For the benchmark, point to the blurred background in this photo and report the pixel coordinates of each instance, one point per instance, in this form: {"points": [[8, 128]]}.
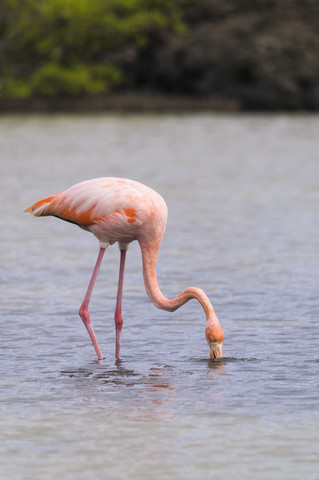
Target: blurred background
{"points": [[95, 54], [213, 104]]}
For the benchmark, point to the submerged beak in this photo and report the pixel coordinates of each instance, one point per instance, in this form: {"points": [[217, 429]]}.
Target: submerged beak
{"points": [[216, 349]]}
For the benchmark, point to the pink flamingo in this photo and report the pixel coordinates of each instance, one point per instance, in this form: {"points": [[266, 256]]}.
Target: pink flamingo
{"points": [[120, 210]]}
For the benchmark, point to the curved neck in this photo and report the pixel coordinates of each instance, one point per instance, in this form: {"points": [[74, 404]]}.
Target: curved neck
{"points": [[149, 257]]}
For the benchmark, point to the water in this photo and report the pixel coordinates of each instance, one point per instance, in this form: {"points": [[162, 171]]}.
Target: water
{"points": [[242, 193]]}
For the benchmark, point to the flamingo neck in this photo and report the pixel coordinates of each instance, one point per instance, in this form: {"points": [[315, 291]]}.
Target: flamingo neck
{"points": [[149, 257]]}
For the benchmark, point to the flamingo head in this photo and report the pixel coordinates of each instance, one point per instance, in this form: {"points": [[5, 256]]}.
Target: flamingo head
{"points": [[216, 349], [215, 337]]}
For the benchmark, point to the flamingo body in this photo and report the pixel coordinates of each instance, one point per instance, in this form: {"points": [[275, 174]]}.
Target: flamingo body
{"points": [[120, 210], [113, 209]]}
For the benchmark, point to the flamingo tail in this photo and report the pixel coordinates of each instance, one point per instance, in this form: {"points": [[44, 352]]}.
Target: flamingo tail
{"points": [[39, 208]]}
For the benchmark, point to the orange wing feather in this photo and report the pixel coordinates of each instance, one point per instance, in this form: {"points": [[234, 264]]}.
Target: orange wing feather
{"points": [[58, 206], [38, 209]]}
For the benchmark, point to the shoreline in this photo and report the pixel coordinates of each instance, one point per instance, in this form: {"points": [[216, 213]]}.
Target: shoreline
{"points": [[120, 102], [137, 102]]}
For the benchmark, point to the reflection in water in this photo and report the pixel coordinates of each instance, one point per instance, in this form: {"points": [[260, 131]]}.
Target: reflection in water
{"points": [[157, 392], [97, 371], [216, 367], [158, 377], [217, 364], [150, 393]]}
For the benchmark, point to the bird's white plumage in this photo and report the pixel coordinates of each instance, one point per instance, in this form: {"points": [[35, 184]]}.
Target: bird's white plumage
{"points": [[113, 209], [108, 194]]}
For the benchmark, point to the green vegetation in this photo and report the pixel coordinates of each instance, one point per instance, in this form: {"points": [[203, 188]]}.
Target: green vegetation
{"points": [[54, 48], [255, 55]]}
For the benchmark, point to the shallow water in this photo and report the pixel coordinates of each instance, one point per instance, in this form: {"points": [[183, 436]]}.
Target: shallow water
{"points": [[242, 193]]}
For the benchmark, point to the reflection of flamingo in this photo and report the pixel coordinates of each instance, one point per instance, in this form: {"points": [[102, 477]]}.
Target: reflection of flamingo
{"points": [[119, 210]]}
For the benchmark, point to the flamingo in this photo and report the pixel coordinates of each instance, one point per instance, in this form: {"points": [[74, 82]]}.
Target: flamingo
{"points": [[121, 210]]}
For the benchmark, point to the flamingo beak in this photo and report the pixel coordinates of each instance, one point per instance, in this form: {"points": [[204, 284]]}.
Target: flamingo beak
{"points": [[215, 349]]}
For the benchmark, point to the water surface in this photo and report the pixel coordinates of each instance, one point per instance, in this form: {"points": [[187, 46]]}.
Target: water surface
{"points": [[242, 193]]}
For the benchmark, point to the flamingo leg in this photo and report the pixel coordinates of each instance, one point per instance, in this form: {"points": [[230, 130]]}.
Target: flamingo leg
{"points": [[84, 309], [118, 310]]}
